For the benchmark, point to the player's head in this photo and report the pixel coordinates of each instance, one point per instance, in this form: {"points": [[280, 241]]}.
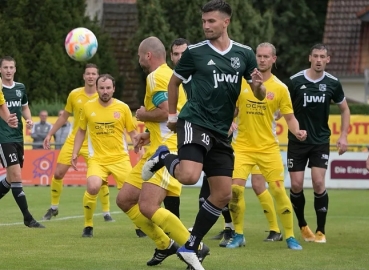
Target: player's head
{"points": [[151, 54], [90, 75], [43, 116], [178, 46], [7, 68], [105, 85], [216, 16], [319, 57], [265, 56]]}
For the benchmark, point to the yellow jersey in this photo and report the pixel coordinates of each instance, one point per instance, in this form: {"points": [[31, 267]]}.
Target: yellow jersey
{"points": [[157, 81], [105, 130], [256, 130], [77, 98], [2, 98]]}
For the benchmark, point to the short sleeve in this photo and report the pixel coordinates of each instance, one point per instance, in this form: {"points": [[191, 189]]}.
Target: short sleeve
{"points": [[338, 95], [24, 99], [250, 64], [83, 119], [69, 106], [155, 84], [186, 66], [285, 105], [2, 99], [129, 124]]}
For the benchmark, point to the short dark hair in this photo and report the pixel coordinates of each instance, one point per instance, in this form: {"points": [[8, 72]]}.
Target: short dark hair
{"points": [[179, 42], [319, 46], [217, 5], [91, 65], [7, 58], [105, 77]]}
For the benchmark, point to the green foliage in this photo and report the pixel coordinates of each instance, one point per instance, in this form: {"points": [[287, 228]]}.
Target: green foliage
{"points": [[52, 107], [33, 32], [354, 109]]}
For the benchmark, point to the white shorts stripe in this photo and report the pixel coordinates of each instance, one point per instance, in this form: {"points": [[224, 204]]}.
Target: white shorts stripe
{"points": [[2, 156], [188, 133]]}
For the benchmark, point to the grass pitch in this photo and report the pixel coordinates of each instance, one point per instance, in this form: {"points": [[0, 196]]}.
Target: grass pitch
{"points": [[116, 246]]}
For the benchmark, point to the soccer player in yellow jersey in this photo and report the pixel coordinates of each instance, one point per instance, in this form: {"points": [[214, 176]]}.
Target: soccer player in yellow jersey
{"points": [[257, 144], [75, 102], [141, 201], [10, 119], [104, 120]]}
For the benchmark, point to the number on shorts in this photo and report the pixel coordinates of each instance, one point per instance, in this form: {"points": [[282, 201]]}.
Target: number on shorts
{"points": [[205, 138], [13, 157], [290, 163]]}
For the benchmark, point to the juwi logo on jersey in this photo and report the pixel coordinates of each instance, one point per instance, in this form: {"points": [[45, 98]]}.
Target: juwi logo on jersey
{"points": [[313, 99], [224, 77], [14, 103]]}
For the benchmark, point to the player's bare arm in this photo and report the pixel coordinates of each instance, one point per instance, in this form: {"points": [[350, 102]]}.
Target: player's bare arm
{"points": [[26, 113], [257, 84], [236, 112], [345, 123], [294, 127], [173, 89], [62, 119], [367, 163], [10, 118], [159, 114], [78, 141]]}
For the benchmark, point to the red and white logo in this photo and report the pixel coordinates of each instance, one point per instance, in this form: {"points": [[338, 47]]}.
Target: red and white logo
{"points": [[116, 115], [270, 95]]}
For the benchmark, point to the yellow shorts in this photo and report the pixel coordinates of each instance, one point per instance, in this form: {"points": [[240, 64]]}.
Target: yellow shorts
{"points": [[161, 178], [270, 165], [65, 154], [119, 170]]}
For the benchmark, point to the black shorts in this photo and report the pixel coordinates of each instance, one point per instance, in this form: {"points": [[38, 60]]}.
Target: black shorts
{"points": [[11, 154], [205, 146], [298, 155]]}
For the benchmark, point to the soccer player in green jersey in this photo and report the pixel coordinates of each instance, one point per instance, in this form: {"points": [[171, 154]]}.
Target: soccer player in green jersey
{"points": [[216, 66], [11, 139], [312, 91]]}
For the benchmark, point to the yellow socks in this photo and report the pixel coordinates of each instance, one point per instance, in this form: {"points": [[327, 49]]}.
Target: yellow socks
{"points": [[237, 207], [284, 206], [171, 225], [89, 206], [56, 188], [161, 240], [267, 204], [104, 198]]}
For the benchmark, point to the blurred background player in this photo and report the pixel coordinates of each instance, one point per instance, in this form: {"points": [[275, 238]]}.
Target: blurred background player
{"points": [[105, 121], [40, 130], [75, 102], [312, 91], [11, 138], [255, 143]]}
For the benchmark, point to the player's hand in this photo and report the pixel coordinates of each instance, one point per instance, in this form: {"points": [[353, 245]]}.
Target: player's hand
{"points": [[257, 78], [29, 124], [301, 135], [278, 116], [140, 112], [12, 120], [233, 127], [342, 145], [172, 126], [74, 162], [141, 140], [46, 143]]}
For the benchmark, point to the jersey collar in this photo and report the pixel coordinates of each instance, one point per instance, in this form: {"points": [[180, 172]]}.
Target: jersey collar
{"points": [[9, 87], [218, 51], [313, 81]]}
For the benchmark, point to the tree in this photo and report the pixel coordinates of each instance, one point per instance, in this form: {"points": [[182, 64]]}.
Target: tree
{"points": [[33, 32]]}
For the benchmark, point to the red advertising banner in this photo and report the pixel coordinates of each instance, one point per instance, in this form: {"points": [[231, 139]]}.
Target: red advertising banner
{"points": [[349, 169], [39, 166]]}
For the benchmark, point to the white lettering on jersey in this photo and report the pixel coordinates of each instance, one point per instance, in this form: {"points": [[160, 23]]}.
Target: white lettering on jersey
{"points": [[224, 77], [313, 99]]}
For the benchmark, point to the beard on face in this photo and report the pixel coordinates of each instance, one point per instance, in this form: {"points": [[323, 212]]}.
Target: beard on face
{"points": [[105, 98]]}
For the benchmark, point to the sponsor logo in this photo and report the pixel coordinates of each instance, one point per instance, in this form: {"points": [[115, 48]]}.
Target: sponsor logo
{"points": [[221, 77], [235, 62], [313, 99]]}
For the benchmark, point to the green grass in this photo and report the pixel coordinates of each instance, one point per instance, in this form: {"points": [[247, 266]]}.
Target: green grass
{"points": [[115, 245]]}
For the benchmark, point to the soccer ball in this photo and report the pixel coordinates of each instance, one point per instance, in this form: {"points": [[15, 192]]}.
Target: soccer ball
{"points": [[81, 44]]}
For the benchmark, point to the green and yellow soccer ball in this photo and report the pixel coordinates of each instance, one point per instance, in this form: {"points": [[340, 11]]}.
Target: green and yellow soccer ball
{"points": [[81, 44]]}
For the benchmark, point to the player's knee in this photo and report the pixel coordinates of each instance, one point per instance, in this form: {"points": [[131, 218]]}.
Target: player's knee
{"points": [[14, 175], [258, 188], [319, 186], [189, 177], [59, 173], [277, 189], [125, 202]]}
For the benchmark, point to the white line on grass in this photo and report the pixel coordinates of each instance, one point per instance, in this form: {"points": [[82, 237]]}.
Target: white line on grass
{"points": [[57, 219]]}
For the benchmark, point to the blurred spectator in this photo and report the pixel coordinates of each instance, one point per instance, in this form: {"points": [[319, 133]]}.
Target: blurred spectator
{"points": [[40, 130], [62, 134]]}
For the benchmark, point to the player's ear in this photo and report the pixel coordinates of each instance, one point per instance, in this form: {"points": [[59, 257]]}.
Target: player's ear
{"points": [[328, 59]]}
